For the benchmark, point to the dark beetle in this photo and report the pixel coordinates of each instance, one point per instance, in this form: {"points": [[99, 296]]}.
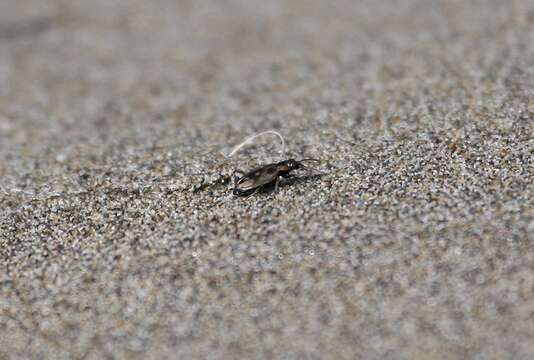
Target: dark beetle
{"points": [[266, 176]]}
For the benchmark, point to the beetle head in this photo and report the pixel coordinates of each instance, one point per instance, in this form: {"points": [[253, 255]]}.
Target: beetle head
{"points": [[289, 165], [293, 164]]}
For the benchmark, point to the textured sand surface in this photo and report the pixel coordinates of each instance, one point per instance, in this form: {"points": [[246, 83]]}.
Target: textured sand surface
{"points": [[120, 239]]}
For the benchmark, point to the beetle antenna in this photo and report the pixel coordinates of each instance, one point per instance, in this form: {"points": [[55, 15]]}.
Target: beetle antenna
{"points": [[312, 168], [251, 138], [310, 159], [309, 167]]}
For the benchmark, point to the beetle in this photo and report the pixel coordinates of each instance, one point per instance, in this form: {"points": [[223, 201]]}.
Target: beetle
{"points": [[265, 176]]}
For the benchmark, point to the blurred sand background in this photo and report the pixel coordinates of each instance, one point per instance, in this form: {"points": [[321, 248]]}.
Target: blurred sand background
{"points": [[120, 239]]}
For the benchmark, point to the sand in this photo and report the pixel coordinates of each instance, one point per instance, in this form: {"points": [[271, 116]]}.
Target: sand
{"points": [[120, 236]]}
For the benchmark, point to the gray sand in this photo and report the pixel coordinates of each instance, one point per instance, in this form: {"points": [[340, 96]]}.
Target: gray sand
{"points": [[119, 239]]}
